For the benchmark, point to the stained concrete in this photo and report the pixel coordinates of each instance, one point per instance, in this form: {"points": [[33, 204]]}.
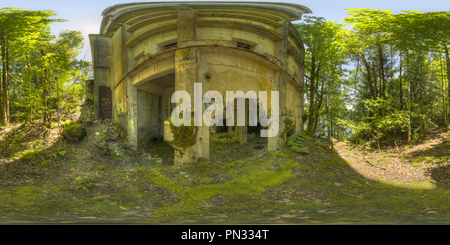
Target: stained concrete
{"points": [[147, 51]]}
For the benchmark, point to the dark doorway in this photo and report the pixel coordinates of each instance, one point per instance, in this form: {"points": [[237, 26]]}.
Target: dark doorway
{"points": [[105, 95]]}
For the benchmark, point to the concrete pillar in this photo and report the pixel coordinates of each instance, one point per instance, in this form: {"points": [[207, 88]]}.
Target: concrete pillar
{"points": [[243, 134], [186, 74], [132, 111], [280, 85]]}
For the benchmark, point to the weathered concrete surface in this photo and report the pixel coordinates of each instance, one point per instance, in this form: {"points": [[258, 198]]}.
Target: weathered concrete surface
{"points": [[147, 51]]}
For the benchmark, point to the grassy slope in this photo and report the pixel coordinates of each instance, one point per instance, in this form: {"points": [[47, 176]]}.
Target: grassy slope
{"points": [[281, 187]]}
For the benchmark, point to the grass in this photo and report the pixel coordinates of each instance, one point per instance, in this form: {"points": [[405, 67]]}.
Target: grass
{"points": [[284, 187]]}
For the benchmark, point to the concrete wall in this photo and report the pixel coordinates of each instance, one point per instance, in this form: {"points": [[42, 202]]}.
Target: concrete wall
{"points": [[260, 43], [128, 57], [148, 115], [102, 62], [152, 45]]}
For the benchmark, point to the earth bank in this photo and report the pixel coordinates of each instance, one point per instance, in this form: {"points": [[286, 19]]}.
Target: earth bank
{"points": [[100, 179]]}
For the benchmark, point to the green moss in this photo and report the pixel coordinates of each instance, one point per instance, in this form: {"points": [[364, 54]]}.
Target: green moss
{"points": [[281, 154], [44, 163], [425, 160], [207, 180], [100, 167], [115, 155], [426, 184], [66, 123], [335, 162], [299, 150], [17, 140], [242, 185], [288, 126], [184, 136], [288, 165], [73, 131], [29, 155], [159, 179], [36, 142], [354, 183]]}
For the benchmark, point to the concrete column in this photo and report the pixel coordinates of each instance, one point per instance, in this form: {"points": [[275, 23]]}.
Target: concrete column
{"points": [[132, 111], [280, 85], [186, 74]]}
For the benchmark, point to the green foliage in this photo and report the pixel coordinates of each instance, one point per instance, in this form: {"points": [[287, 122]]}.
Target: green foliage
{"points": [[323, 64], [377, 127], [274, 153], [43, 68], [142, 167], [429, 160], [86, 181], [61, 151], [295, 143]]}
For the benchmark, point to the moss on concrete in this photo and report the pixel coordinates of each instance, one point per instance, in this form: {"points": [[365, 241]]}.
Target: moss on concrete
{"points": [[184, 136]]}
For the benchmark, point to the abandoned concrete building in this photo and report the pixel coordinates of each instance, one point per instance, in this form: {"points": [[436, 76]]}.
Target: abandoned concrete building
{"points": [[147, 51]]}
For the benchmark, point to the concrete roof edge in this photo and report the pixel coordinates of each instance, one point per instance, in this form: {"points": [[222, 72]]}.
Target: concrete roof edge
{"points": [[296, 10]]}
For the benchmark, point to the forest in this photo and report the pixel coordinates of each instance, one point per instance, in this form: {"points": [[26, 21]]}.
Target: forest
{"points": [[40, 73], [384, 80], [382, 77], [374, 148]]}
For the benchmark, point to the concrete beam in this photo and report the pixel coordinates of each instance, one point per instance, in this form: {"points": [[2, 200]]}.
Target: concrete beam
{"points": [[151, 88]]}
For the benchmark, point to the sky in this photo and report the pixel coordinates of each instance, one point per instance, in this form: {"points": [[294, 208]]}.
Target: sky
{"points": [[85, 15]]}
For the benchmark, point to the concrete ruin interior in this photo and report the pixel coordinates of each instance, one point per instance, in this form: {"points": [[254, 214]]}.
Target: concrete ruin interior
{"points": [[147, 51]]}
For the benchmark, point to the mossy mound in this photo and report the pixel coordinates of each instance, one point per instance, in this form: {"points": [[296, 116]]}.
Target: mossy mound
{"points": [[73, 131], [29, 155], [295, 143]]}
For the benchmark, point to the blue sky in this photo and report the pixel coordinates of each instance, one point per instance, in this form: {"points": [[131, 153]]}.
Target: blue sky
{"points": [[85, 15]]}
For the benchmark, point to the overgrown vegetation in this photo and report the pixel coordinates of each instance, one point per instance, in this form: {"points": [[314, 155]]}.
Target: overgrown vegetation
{"points": [[41, 76], [398, 87]]}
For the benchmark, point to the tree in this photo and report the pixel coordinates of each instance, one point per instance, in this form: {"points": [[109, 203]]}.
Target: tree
{"points": [[19, 30], [323, 62]]}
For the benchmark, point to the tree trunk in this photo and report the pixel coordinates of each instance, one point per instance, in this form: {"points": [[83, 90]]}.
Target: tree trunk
{"points": [[2, 106], [422, 81], [401, 84], [447, 59], [328, 116], [4, 117], [409, 97], [369, 77], [29, 87], [312, 94], [443, 93], [356, 90], [383, 81]]}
